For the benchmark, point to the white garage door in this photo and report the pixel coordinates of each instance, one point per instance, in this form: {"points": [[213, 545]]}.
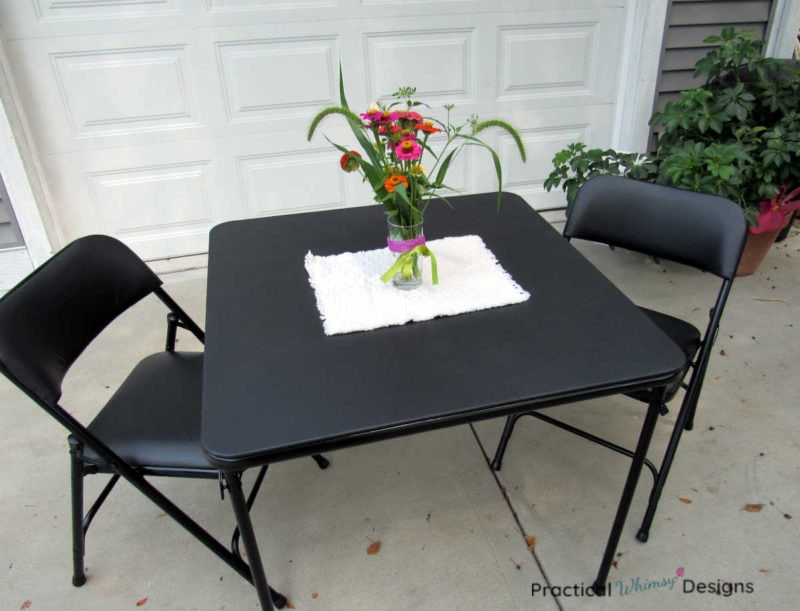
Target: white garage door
{"points": [[156, 119]]}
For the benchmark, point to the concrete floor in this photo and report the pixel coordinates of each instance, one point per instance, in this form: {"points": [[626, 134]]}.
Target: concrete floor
{"points": [[449, 540]]}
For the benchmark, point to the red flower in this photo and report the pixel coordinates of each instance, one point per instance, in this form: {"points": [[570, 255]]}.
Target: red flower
{"points": [[410, 115], [351, 161]]}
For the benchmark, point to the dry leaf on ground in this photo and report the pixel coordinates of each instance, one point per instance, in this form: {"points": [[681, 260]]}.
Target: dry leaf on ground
{"points": [[531, 541], [374, 547], [683, 500], [141, 602], [753, 507]]}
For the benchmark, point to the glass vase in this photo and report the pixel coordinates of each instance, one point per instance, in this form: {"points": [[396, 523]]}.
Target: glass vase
{"points": [[402, 239]]}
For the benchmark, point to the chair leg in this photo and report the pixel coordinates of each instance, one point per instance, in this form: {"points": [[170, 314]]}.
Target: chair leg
{"points": [[78, 535], [686, 412], [690, 417], [497, 461]]}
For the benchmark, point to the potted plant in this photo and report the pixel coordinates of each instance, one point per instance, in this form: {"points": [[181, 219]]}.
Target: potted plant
{"points": [[576, 164], [738, 136]]}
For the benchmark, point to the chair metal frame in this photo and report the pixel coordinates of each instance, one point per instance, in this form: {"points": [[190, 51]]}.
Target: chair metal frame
{"points": [[80, 438], [698, 365]]}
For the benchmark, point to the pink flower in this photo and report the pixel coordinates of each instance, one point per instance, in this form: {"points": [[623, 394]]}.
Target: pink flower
{"points": [[380, 117], [408, 150], [770, 218], [772, 214]]}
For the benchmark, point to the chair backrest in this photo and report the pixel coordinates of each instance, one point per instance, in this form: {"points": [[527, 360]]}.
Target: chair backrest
{"points": [[704, 231], [51, 316]]}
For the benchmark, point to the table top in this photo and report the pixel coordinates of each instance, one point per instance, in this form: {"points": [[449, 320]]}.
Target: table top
{"points": [[276, 387]]}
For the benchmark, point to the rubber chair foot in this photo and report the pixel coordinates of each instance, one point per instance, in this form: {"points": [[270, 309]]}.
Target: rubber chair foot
{"points": [[278, 599], [79, 581], [322, 462]]}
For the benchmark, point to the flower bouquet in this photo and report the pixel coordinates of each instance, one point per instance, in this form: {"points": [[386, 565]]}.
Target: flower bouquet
{"points": [[394, 139]]}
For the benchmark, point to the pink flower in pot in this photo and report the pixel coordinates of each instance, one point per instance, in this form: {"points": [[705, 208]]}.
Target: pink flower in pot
{"points": [[772, 214]]}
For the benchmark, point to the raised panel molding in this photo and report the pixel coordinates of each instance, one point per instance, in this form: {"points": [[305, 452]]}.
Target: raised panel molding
{"points": [[270, 182], [547, 60], [406, 2], [395, 58], [153, 200], [221, 6], [74, 10], [127, 91], [260, 77]]}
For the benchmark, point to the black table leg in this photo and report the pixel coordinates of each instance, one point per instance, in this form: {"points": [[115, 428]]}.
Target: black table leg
{"points": [[249, 539], [628, 491]]}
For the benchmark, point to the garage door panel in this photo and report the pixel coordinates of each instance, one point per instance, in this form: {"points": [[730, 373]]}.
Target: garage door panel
{"points": [[151, 197], [250, 99], [270, 182], [394, 59], [569, 61], [128, 91], [96, 92]]}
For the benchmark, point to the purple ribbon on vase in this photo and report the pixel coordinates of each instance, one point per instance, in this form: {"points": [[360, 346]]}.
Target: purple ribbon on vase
{"points": [[404, 246]]}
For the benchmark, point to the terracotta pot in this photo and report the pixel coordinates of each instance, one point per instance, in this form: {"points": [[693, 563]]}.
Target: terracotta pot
{"points": [[755, 249]]}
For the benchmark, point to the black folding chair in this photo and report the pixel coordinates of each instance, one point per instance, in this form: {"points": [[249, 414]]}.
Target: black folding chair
{"points": [[151, 425], [702, 231]]}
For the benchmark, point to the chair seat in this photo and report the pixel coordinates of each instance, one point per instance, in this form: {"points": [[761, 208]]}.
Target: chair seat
{"points": [[153, 420], [686, 335]]}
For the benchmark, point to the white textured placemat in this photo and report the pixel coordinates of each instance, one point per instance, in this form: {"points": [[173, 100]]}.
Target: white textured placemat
{"points": [[351, 296]]}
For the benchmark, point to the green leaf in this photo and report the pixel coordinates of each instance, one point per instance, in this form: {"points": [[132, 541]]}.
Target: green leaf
{"points": [[342, 97], [495, 158], [440, 175]]}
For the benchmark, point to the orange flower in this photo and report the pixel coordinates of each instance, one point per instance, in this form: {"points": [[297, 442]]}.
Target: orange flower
{"points": [[394, 180], [427, 126]]}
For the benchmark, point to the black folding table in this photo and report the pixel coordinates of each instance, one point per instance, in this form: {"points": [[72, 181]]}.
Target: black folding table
{"points": [[276, 387]]}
